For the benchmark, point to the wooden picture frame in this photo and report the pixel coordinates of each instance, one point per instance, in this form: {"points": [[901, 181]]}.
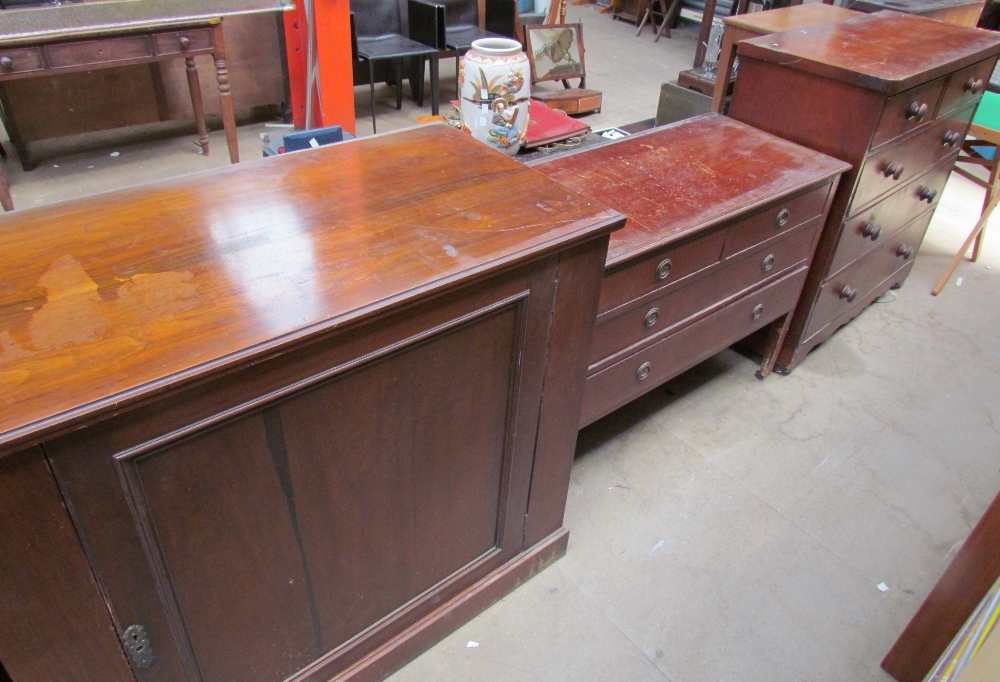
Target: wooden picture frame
{"points": [[555, 51]]}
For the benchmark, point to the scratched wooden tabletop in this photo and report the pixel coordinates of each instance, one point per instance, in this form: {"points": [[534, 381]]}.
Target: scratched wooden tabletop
{"points": [[677, 180], [106, 298]]}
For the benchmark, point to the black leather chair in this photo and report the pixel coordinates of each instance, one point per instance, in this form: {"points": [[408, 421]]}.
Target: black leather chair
{"points": [[452, 25], [378, 42]]}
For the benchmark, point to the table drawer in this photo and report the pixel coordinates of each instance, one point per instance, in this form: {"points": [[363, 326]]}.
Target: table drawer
{"points": [[661, 269], [177, 42], [840, 292], [660, 315], [868, 228], [966, 85], [62, 55], [21, 60], [908, 111], [629, 378], [782, 217], [894, 166]]}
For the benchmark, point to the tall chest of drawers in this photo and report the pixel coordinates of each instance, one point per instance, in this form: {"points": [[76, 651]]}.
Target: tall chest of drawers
{"points": [[892, 94], [723, 220]]}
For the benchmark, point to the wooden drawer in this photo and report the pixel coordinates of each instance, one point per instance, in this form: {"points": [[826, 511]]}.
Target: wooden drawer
{"points": [[661, 269], [892, 167], [776, 220], [966, 86], [63, 55], [629, 378], [21, 60], [908, 111], [664, 313], [177, 42], [840, 292], [887, 216]]}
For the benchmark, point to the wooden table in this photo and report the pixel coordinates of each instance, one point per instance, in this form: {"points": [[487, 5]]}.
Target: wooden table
{"points": [[743, 26], [28, 57], [307, 414], [722, 223], [958, 12]]}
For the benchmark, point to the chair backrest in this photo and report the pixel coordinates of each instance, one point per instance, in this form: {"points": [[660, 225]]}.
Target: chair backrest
{"points": [[555, 52], [374, 18], [460, 12]]}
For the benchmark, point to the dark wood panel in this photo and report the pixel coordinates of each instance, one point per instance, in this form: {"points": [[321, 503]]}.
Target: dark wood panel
{"points": [[956, 595], [853, 51], [256, 255], [676, 180], [47, 590]]}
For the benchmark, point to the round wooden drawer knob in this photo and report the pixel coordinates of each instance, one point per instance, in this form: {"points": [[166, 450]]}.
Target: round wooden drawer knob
{"points": [[974, 86], [917, 110], [758, 310], [782, 219], [651, 317], [849, 292], [871, 231], [927, 194], [643, 371], [905, 252], [663, 269], [893, 170], [6, 64], [184, 42], [951, 138]]}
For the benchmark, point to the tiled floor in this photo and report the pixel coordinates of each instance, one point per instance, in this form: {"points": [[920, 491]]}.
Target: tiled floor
{"points": [[722, 528]]}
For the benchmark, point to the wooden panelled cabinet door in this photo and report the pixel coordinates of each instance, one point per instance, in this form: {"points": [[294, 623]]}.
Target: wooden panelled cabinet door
{"points": [[54, 624], [258, 526]]}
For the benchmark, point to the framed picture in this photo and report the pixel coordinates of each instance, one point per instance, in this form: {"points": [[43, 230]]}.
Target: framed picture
{"points": [[555, 51]]}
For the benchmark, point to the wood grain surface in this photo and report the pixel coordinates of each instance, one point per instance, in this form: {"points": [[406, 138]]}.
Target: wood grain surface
{"points": [[876, 51], [116, 296], [674, 181]]}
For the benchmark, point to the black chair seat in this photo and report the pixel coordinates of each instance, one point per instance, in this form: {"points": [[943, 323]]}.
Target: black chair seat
{"points": [[392, 46]]}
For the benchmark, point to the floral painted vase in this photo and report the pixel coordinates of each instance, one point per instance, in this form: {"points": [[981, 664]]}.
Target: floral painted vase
{"points": [[494, 86]]}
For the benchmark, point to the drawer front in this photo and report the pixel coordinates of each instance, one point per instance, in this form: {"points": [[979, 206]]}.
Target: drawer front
{"points": [[966, 86], [659, 270], [674, 307], [893, 167], [907, 111], [776, 220], [178, 42], [840, 292], [86, 52], [629, 378], [21, 60], [868, 229]]}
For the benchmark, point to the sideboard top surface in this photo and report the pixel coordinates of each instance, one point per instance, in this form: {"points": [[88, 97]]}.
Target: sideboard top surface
{"points": [[885, 51], [677, 180], [112, 297]]}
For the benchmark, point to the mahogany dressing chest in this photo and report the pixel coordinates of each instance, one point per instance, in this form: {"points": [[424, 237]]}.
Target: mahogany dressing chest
{"points": [[892, 94]]}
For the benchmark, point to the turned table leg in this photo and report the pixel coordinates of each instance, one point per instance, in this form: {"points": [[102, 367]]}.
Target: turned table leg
{"points": [[5, 199], [225, 97], [199, 107]]}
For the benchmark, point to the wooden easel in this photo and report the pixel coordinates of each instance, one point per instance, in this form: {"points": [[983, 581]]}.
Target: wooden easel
{"points": [[976, 231]]}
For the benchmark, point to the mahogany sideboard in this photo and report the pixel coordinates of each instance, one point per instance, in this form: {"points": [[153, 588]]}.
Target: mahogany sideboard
{"points": [[893, 95], [722, 223], [296, 419]]}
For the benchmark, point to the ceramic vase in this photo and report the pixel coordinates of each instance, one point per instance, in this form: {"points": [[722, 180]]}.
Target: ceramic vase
{"points": [[493, 79]]}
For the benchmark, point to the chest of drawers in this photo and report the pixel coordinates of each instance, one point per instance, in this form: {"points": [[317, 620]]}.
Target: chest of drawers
{"points": [[892, 94], [722, 223]]}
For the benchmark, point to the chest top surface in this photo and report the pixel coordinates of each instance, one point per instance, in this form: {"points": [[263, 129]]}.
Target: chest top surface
{"points": [[886, 51], [677, 180], [105, 297]]}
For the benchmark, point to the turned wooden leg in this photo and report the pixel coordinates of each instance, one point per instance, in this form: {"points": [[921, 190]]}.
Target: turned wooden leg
{"points": [[225, 97], [5, 199], [199, 107]]}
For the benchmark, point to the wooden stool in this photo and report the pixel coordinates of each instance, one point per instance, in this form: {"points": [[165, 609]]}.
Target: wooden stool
{"points": [[665, 13]]}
